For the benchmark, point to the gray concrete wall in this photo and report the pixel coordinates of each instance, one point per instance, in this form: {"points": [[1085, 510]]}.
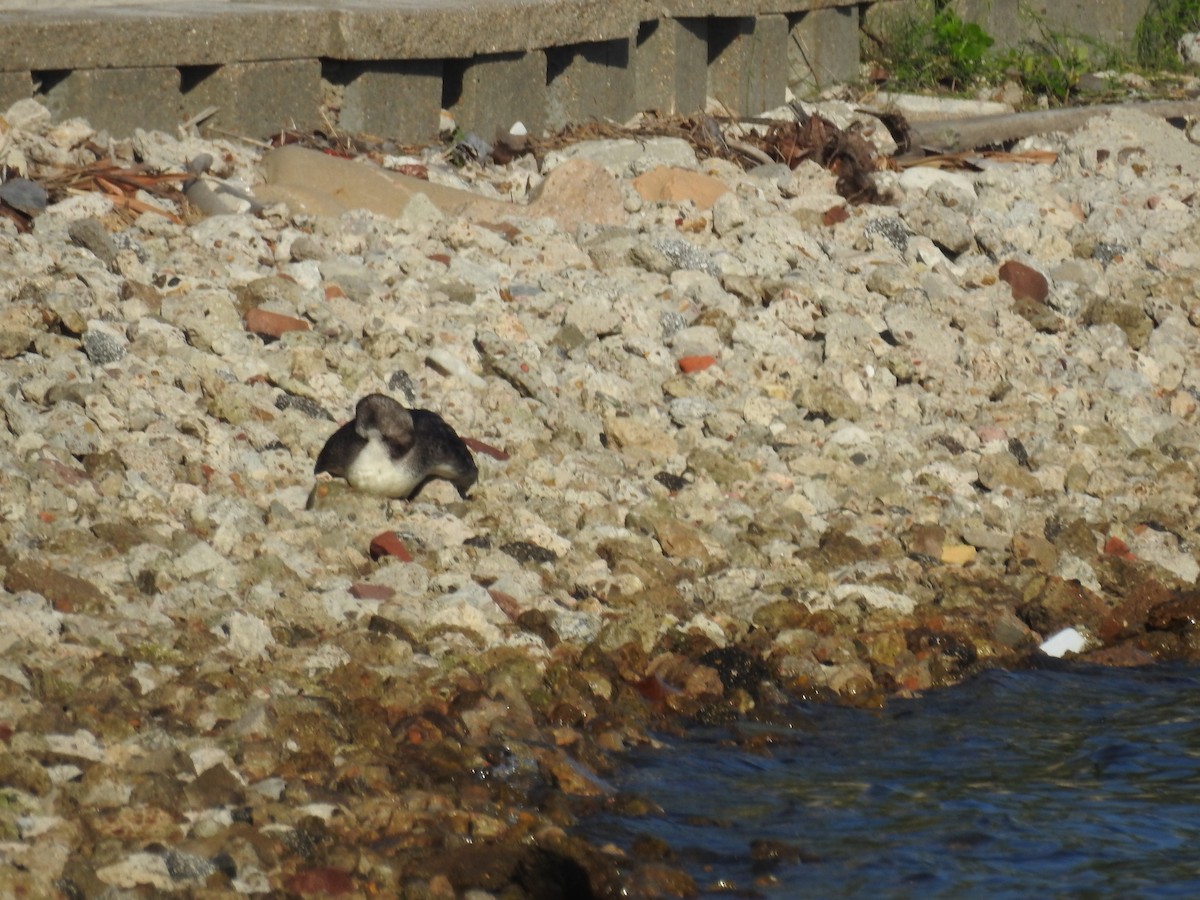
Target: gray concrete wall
{"points": [[393, 64], [1010, 22], [1112, 22]]}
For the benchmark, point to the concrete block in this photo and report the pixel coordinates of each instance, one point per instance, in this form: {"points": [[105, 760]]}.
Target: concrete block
{"points": [[14, 86], [115, 100], [489, 93], [1001, 19], [747, 62], [823, 49], [256, 99], [589, 81], [670, 63], [1010, 22], [398, 100]]}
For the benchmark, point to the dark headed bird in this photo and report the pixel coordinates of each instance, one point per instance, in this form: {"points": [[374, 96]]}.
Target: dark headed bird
{"points": [[393, 451]]}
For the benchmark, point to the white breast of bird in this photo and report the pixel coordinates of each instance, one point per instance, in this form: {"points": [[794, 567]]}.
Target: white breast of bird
{"points": [[375, 472]]}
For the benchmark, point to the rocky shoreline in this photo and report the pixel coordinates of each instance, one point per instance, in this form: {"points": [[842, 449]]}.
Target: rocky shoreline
{"points": [[735, 449]]}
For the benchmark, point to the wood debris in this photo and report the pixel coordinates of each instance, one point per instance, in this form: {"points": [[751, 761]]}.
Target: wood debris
{"points": [[745, 141], [120, 184]]}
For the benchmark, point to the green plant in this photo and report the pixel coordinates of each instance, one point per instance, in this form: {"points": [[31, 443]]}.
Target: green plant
{"points": [[1160, 28], [962, 46], [1053, 64], [930, 46]]}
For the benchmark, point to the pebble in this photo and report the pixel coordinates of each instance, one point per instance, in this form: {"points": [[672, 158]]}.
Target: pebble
{"points": [[103, 343]]}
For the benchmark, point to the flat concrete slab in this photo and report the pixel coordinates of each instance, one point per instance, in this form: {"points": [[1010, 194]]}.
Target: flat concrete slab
{"points": [[683, 9], [39, 36], [394, 64]]}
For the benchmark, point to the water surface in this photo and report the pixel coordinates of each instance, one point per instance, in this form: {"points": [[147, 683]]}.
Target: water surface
{"points": [[1081, 783]]}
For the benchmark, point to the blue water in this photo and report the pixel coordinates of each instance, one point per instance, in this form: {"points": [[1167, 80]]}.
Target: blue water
{"points": [[1081, 783]]}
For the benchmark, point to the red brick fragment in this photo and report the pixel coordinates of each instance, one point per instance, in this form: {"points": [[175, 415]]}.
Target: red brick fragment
{"points": [[835, 214], [388, 543], [1114, 546], [274, 325], [1026, 283], [690, 364], [480, 447]]}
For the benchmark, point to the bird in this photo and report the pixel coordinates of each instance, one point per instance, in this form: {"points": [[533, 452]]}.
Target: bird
{"points": [[390, 450]]}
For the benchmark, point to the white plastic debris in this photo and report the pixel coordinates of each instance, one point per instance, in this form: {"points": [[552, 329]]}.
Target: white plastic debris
{"points": [[1059, 644]]}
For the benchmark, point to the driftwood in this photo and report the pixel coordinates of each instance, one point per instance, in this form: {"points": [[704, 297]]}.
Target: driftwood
{"points": [[952, 135]]}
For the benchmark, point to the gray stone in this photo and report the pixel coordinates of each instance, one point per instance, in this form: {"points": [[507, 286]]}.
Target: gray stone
{"points": [[925, 333], [611, 248], [204, 316], [24, 195], [890, 229], [826, 399], [104, 344], [690, 410], [68, 427], [891, 280], [666, 254], [92, 235], [696, 340], [948, 228], [1126, 383], [729, 214]]}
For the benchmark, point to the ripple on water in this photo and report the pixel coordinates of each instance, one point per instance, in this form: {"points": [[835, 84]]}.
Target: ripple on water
{"points": [[1065, 782]]}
